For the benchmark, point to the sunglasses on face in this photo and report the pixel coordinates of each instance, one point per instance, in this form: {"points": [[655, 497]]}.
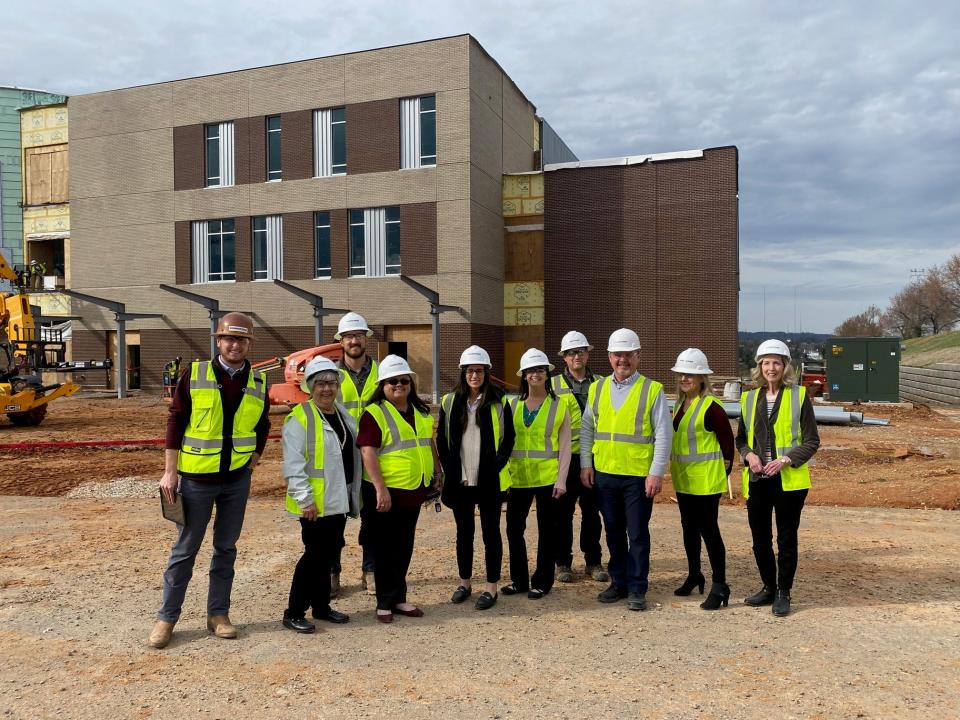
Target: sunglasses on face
{"points": [[537, 371], [394, 381]]}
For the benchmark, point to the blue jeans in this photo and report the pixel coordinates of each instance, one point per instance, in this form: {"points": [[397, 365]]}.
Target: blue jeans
{"points": [[626, 511], [199, 499]]}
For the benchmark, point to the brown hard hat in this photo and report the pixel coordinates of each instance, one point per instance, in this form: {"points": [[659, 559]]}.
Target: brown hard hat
{"points": [[234, 324]]}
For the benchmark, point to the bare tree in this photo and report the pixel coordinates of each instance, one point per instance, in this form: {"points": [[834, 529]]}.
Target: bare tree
{"points": [[938, 309], [950, 277], [869, 323], [906, 312]]}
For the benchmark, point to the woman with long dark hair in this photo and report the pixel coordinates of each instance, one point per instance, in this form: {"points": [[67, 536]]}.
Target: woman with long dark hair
{"points": [[474, 442]]}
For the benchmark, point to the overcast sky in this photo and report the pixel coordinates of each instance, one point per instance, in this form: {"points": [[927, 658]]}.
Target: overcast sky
{"points": [[846, 114]]}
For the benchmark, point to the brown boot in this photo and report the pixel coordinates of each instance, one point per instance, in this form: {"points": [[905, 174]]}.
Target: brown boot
{"points": [[161, 634], [221, 626]]}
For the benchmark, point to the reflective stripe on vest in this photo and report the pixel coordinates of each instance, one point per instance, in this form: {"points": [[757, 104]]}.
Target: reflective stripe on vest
{"points": [[624, 444], [696, 463], [565, 393], [306, 414], [535, 459], [637, 437], [499, 427], [348, 396], [203, 442], [406, 456], [785, 425]]}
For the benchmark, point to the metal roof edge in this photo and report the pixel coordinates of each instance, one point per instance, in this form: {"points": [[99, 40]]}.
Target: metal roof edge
{"points": [[626, 160]]}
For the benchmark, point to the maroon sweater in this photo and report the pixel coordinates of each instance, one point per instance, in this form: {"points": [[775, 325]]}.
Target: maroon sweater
{"points": [[717, 422], [231, 393]]}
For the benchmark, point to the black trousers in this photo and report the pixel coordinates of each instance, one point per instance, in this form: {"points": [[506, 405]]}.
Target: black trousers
{"points": [[468, 499], [366, 563], [322, 539], [767, 497], [391, 539], [698, 518], [518, 508], [590, 527]]}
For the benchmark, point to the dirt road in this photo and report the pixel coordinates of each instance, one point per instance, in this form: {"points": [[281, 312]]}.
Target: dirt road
{"points": [[875, 633]]}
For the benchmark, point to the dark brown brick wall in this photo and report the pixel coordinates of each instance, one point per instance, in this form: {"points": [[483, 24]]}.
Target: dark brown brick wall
{"points": [[257, 149], [373, 136], [339, 234], [457, 337], [418, 238], [244, 248], [640, 247], [188, 157], [296, 144], [182, 252], [298, 252], [243, 174]]}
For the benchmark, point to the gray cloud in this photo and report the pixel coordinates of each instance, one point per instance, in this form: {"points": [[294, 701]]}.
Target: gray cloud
{"points": [[845, 114]]}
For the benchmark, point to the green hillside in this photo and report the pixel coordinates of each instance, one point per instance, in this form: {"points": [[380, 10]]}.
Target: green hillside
{"points": [[925, 351]]}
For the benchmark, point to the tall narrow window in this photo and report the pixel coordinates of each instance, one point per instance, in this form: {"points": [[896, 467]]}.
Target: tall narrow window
{"points": [[274, 171], [418, 131], [268, 247], [375, 242], [218, 151], [214, 251], [321, 240], [329, 142]]}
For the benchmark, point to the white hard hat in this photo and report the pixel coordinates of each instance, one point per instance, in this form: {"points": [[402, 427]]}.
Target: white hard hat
{"points": [[773, 347], [572, 340], [692, 362], [352, 322], [623, 340], [533, 358], [475, 355], [393, 366], [316, 366]]}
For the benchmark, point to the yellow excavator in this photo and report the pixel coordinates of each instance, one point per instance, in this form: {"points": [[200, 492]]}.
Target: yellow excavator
{"points": [[23, 396]]}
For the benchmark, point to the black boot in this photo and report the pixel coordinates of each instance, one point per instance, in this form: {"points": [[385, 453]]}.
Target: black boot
{"points": [[763, 596], [781, 606], [692, 581], [719, 596]]}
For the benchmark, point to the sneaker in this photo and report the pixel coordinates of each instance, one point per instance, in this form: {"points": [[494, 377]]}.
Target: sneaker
{"points": [[564, 574], [598, 573], [612, 594], [637, 601], [298, 624]]}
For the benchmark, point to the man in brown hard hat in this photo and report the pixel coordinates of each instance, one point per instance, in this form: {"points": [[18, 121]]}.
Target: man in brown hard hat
{"points": [[216, 432]]}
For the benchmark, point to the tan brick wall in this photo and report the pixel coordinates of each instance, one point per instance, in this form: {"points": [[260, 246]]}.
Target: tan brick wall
{"points": [[121, 164]]}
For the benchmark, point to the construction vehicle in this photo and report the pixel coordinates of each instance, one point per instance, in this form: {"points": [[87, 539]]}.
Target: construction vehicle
{"points": [[288, 392], [23, 354]]}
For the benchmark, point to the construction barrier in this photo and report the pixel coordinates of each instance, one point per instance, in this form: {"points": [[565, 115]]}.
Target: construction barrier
{"points": [[938, 384]]}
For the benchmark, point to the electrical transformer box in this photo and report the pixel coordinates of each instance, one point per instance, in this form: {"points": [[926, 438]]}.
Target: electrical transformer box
{"points": [[863, 369]]}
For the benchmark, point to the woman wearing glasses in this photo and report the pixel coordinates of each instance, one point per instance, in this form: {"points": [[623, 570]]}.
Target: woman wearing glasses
{"points": [[474, 441], [396, 442], [321, 465], [538, 469]]}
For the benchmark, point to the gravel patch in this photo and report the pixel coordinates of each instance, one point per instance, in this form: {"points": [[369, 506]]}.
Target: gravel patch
{"points": [[133, 486]]}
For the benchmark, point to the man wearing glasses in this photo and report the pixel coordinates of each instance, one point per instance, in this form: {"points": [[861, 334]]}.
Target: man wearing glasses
{"points": [[216, 431], [572, 385], [625, 440], [358, 382]]}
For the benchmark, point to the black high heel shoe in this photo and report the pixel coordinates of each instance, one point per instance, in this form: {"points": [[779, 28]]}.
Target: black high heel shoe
{"points": [[692, 581], [719, 597]]}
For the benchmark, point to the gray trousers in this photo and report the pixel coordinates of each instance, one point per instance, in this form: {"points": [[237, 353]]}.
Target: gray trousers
{"points": [[199, 499]]}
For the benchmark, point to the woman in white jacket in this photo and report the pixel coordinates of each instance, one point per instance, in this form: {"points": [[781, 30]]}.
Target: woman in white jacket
{"points": [[321, 464]]}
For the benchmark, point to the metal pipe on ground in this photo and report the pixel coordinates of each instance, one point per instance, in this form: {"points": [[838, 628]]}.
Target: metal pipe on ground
{"points": [[825, 414]]}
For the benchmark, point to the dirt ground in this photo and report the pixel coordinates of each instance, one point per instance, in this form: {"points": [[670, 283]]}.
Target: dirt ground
{"points": [[875, 634]]}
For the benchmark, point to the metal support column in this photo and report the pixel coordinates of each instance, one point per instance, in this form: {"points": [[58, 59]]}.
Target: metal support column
{"points": [[433, 297], [213, 308], [316, 302]]}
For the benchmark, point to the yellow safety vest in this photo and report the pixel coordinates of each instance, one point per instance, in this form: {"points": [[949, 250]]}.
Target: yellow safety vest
{"points": [[348, 396], [565, 393], [406, 457], [203, 439], [535, 460], [497, 409], [623, 441], [308, 416], [696, 461], [786, 432]]}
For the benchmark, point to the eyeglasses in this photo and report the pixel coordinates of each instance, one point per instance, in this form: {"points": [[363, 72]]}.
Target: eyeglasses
{"points": [[575, 353], [233, 339], [394, 381], [536, 371], [326, 384], [474, 371]]}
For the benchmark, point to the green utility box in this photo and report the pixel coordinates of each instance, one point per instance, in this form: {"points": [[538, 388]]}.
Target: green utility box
{"points": [[863, 368]]}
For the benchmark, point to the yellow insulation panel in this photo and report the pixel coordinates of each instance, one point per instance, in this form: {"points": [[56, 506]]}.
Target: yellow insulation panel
{"points": [[523, 195], [44, 126], [46, 219]]}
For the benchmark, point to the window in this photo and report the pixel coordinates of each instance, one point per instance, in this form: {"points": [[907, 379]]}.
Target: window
{"points": [[321, 240], [418, 132], [375, 242], [273, 148], [329, 142], [268, 247], [219, 154], [214, 251]]}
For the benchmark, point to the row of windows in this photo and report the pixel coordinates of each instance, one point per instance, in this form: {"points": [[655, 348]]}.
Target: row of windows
{"points": [[373, 246], [418, 142]]}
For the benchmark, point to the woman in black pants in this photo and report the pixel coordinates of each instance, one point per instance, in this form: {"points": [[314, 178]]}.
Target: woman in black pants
{"points": [[776, 438], [700, 461], [474, 442]]}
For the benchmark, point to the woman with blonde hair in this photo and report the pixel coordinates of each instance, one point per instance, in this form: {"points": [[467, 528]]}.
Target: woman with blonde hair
{"points": [[776, 438], [700, 462]]}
